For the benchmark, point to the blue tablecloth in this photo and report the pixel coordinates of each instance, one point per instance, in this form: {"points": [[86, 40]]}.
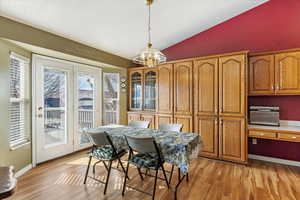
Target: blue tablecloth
{"points": [[177, 148]]}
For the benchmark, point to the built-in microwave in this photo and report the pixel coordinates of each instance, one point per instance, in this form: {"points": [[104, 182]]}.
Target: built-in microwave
{"points": [[264, 115]]}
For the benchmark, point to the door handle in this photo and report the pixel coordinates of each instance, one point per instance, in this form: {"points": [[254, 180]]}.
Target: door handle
{"points": [[40, 116]]}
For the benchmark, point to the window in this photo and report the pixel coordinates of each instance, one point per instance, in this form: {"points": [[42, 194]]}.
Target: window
{"points": [[19, 102], [111, 94]]}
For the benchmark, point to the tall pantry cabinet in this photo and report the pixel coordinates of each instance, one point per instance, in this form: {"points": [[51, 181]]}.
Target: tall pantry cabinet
{"points": [[220, 90]]}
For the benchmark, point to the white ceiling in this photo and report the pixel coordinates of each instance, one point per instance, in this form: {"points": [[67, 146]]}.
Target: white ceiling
{"points": [[119, 26]]}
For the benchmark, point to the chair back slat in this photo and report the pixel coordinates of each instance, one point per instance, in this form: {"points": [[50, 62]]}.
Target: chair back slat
{"points": [[139, 124], [170, 127], [142, 144]]}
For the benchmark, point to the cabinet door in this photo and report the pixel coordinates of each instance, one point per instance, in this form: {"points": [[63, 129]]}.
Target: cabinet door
{"points": [[163, 118], [165, 89], [232, 139], [135, 89], [206, 87], [133, 116], [150, 76], [262, 75], [183, 83], [186, 121], [150, 118], [207, 127], [232, 86], [287, 73]]}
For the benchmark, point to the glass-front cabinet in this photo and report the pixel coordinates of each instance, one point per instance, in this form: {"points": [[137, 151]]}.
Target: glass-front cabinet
{"points": [[150, 90], [142, 89], [136, 81]]}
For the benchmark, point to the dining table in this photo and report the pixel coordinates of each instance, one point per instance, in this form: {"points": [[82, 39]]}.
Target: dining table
{"points": [[177, 148]]}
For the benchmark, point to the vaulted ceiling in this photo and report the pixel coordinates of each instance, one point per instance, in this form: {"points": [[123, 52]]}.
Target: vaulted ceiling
{"points": [[119, 26]]}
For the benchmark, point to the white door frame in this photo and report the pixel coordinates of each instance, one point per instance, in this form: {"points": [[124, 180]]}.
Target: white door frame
{"points": [[35, 58]]}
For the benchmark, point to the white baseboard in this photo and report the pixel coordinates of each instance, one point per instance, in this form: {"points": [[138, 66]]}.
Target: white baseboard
{"points": [[23, 171], [275, 160]]}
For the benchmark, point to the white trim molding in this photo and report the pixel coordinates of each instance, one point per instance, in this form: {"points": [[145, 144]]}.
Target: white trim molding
{"points": [[23, 171], [274, 160]]}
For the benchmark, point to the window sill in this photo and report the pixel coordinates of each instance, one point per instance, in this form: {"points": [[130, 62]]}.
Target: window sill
{"points": [[13, 148]]}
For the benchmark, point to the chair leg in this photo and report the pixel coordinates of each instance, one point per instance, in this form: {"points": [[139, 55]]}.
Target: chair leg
{"points": [[105, 165], [140, 173], [153, 195], [119, 162], [171, 174], [166, 179], [125, 179], [179, 175], [87, 170], [187, 177], [94, 167], [107, 178]]}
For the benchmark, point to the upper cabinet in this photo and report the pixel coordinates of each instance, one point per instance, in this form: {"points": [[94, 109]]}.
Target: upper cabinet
{"points": [[287, 73], [232, 85], [206, 87], [275, 74], [183, 87], [165, 89], [150, 76], [136, 90], [142, 89], [261, 75]]}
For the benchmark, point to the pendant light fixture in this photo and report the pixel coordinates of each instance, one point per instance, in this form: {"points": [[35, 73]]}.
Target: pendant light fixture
{"points": [[150, 57]]}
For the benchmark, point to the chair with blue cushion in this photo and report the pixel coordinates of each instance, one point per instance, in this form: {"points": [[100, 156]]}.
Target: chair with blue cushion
{"points": [[144, 153], [103, 150]]}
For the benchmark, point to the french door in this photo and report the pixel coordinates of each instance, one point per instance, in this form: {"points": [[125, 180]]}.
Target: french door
{"points": [[67, 101]]}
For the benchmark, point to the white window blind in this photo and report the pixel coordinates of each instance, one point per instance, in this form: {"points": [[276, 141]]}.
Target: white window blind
{"points": [[19, 102], [111, 90]]}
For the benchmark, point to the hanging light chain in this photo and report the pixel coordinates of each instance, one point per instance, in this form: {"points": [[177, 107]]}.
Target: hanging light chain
{"points": [[149, 25]]}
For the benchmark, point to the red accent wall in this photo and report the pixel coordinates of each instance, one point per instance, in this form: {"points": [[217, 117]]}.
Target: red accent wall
{"points": [[274, 25]]}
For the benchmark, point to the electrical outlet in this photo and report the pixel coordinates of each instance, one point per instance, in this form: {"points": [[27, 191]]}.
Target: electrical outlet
{"points": [[254, 141]]}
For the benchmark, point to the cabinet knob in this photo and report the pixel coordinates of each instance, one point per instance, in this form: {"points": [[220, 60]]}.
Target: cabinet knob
{"points": [[273, 87], [294, 137], [277, 87], [262, 134]]}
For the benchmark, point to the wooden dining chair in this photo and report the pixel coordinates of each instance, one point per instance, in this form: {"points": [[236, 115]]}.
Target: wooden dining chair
{"points": [[103, 150], [139, 124], [144, 153]]}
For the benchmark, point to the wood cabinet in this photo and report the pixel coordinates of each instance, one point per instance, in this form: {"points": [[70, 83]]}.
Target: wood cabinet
{"points": [[149, 89], [232, 139], [186, 121], [275, 134], [165, 89], [183, 88], [261, 75], [133, 116], [142, 89], [150, 118], [207, 127], [287, 73], [275, 73], [232, 86], [206, 87], [163, 118], [135, 89]]}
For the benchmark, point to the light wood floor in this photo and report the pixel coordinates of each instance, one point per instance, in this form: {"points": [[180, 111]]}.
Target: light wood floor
{"points": [[209, 180]]}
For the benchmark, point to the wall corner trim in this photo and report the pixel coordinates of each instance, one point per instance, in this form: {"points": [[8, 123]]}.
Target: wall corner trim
{"points": [[274, 160], [23, 170]]}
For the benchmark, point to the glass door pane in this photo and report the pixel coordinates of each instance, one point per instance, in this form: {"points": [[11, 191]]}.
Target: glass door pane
{"points": [[86, 105], [55, 95], [136, 91], [150, 90], [111, 92]]}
